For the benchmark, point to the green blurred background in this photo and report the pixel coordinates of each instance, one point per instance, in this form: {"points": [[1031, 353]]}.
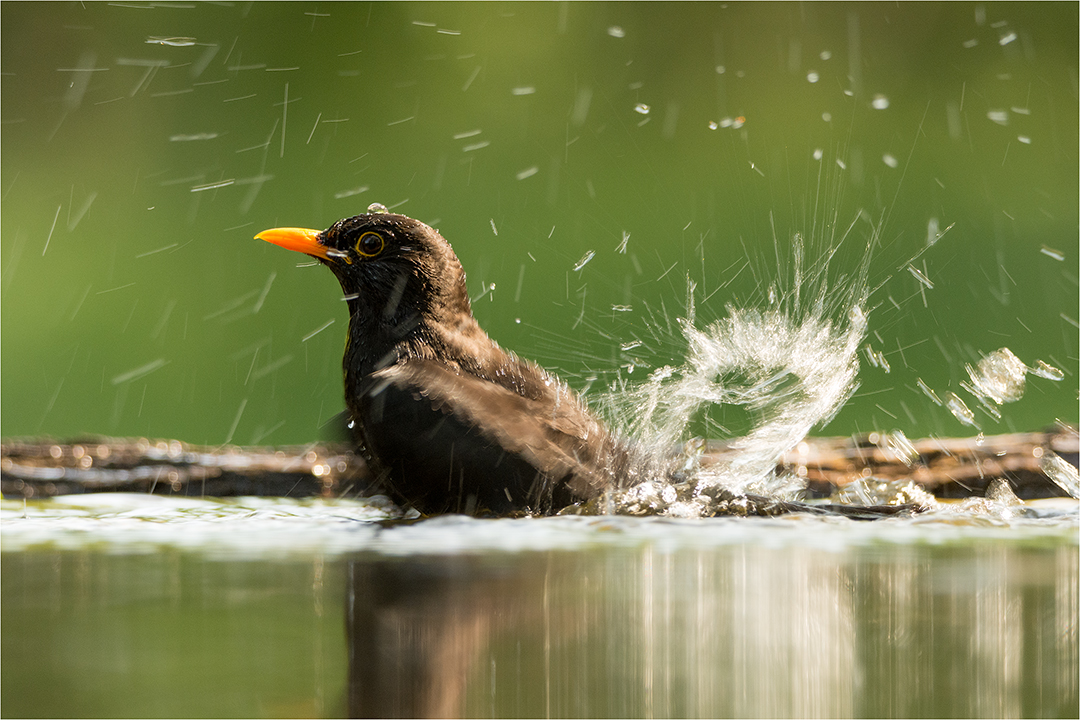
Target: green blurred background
{"points": [[134, 301]]}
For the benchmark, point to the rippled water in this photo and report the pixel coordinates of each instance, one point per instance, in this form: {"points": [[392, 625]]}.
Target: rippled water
{"points": [[133, 605]]}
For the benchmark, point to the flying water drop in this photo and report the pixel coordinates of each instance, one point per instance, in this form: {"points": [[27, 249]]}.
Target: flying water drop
{"points": [[1061, 472], [1049, 372], [960, 410], [584, 260], [999, 377]]}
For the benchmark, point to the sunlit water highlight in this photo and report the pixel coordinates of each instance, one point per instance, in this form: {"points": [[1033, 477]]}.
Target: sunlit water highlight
{"points": [[252, 528]]}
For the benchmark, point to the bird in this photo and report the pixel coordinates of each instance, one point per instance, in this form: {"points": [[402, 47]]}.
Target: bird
{"points": [[447, 420]]}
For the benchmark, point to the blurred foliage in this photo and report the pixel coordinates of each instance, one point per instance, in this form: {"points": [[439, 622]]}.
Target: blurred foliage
{"points": [[134, 301]]}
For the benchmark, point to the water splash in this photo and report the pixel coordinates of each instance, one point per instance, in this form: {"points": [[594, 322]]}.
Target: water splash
{"points": [[1061, 472], [790, 374], [1000, 377], [791, 364]]}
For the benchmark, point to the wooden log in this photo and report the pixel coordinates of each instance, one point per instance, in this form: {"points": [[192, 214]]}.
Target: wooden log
{"points": [[946, 467], [44, 468]]}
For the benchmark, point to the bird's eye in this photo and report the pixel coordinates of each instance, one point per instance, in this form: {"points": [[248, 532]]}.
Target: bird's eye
{"points": [[370, 244]]}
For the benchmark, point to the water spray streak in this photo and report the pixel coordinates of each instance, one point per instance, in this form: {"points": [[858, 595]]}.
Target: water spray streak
{"points": [[791, 364]]}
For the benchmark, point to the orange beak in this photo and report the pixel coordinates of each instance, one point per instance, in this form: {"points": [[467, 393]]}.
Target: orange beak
{"points": [[298, 239]]}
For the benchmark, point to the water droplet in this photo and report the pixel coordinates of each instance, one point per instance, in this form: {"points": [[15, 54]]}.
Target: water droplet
{"points": [[897, 445], [1051, 252], [713, 125], [928, 392], [1061, 472], [1049, 372], [825, 54], [1024, 139], [959, 410], [584, 260], [377, 208], [616, 32], [890, 160], [353, 191], [877, 358], [720, 69], [918, 274], [641, 108], [880, 102], [933, 231], [827, 117], [812, 76], [818, 153], [1001, 117], [999, 377]]}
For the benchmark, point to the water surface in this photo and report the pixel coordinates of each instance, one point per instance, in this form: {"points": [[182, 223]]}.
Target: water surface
{"points": [[123, 605]]}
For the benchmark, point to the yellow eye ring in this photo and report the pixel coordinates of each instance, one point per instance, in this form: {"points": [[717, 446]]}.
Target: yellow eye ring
{"points": [[370, 244]]}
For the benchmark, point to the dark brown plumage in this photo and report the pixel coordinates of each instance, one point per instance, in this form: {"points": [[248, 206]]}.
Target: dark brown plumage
{"points": [[448, 420]]}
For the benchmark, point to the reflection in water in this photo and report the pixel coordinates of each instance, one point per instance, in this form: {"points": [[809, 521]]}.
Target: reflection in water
{"points": [[745, 630], [951, 614], [417, 629]]}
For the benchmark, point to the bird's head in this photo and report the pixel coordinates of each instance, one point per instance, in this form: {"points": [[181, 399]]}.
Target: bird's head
{"points": [[395, 271]]}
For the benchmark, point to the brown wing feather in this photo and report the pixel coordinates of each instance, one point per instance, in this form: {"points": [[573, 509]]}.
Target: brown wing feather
{"points": [[555, 432]]}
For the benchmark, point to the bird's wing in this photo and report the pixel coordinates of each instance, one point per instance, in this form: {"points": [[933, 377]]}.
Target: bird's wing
{"points": [[556, 434]]}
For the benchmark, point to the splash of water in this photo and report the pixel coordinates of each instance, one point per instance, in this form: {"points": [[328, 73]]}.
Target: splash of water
{"points": [[792, 365], [791, 374]]}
